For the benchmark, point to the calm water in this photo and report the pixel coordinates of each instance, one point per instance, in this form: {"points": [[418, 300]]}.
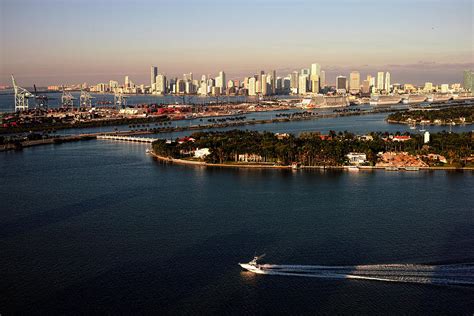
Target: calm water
{"points": [[101, 227]]}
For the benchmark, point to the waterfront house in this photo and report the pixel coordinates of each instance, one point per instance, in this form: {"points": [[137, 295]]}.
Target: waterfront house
{"points": [[356, 158], [201, 152], [250, 158]]}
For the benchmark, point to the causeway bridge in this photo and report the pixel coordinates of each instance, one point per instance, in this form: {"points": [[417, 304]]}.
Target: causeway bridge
{"points": [[128, 138]]}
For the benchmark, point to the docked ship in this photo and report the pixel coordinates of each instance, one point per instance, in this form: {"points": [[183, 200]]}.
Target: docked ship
{"points": [[322, 101], [381, 100], [442, 97], [414, 99]]}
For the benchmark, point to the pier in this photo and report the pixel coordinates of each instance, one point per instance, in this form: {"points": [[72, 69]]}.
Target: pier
{"points": [[128, 138]]}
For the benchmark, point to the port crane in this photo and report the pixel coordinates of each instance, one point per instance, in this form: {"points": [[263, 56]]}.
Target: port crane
{"points": [[67, 99], [85, 100], [120, 100], [21, 97], [41, 101]]}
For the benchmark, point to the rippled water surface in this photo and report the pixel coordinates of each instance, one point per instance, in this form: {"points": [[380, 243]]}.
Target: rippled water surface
{"points": [[98, 226]]}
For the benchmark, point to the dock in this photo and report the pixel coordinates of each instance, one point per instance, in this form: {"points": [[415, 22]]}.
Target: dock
{"points": [[127, 138]]}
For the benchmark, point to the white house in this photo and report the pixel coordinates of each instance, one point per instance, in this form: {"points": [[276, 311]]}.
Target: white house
{"points": [[201, 152], [356, 158]]}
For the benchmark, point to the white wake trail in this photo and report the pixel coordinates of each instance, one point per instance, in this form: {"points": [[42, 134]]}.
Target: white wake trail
{"points": [[455, 274]]}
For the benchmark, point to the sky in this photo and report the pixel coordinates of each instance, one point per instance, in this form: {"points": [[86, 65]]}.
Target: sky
{"points": [[47, 42]]}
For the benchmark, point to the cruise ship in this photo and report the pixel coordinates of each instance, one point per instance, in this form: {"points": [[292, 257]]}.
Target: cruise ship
{"points": [[413, 98], [322, 101], [381, 100]]}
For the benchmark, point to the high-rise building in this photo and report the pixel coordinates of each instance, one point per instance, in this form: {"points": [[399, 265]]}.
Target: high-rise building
{"points": [[220, 81], [153, 74], [305, 72], [294, 80], [264, 84], [380, 83], [315, 77], [354, 81], [127, 82], [303, 84], [322, 79], [160, 84], [274, 78], [279, 84], [469, 80], [341, 83], [251, 86], [387, 81], [203, 88], [316, 69], [366, 86]]}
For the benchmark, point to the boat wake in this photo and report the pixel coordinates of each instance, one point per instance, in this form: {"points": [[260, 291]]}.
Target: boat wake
{"points": [[451, 274]]}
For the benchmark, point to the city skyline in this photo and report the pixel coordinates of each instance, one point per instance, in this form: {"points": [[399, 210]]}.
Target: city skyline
{"points": [[54, 42]]}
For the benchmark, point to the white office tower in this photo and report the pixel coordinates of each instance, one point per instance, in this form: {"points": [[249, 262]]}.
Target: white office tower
{"points": [[303, 85], [220, 81], [246, 83], [160, 84], [322, 79], [203, 88], [153, 74], [294, 77], [380, 82], [127, 82], [315, 76], [354, 82], [387, 81], [252, 86]]}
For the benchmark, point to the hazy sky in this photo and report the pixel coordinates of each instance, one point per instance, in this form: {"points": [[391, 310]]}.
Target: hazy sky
{"points": [[70, 41]]}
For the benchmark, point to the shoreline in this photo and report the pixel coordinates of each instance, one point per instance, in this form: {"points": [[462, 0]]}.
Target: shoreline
{"points": [[428, 124], [257, 166]]}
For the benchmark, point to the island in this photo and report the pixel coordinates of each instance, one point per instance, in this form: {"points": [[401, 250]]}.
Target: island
{"points": [[239, 148], [443, 116]]}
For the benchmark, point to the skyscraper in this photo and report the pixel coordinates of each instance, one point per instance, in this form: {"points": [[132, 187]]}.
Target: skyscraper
{"points": [[354, 81], [387, 81], [274, 82], [251, 86], [294, 82], [380, 82], [315, 77], [160, 83], [153, 74], [220, 81], [264, 84], [303, 84], [322, 79], [341, 83]]}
